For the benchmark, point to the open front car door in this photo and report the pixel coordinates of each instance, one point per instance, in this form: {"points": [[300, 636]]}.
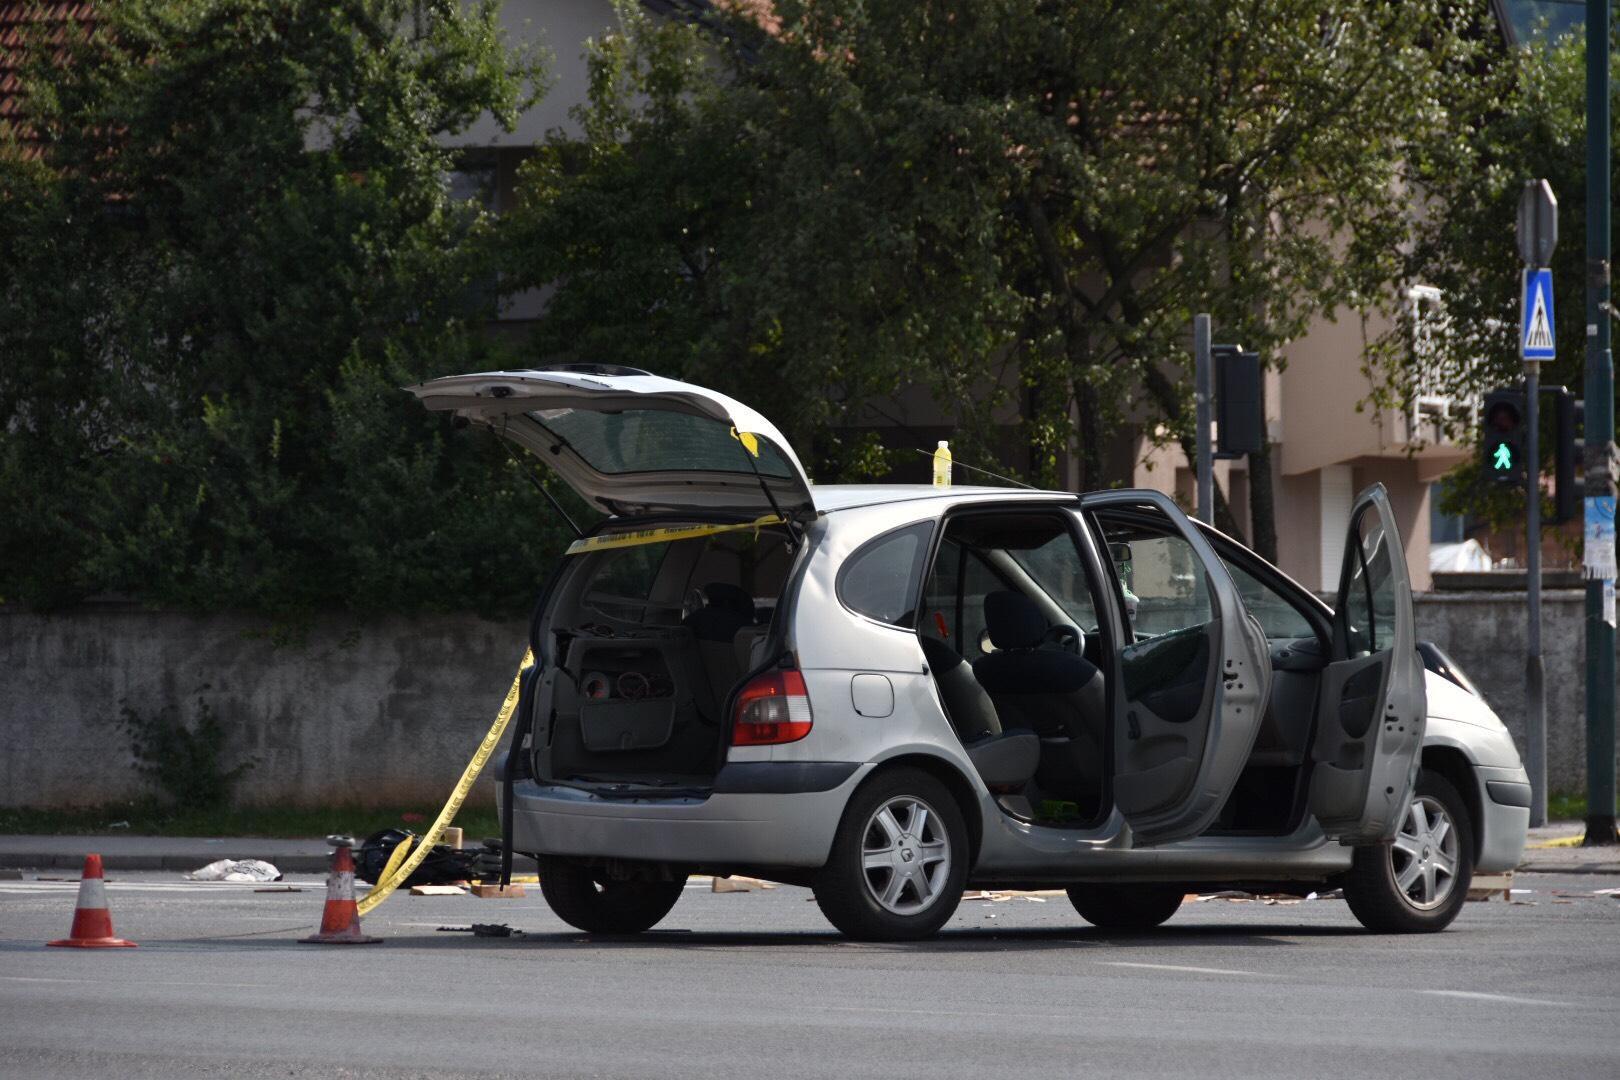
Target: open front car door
{"points": [[1192, 674], [1369, 727]]}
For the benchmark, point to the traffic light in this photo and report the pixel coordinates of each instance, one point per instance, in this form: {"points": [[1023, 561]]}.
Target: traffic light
{"points": [[1240, 425], [1502, 441], [1568, 469]]}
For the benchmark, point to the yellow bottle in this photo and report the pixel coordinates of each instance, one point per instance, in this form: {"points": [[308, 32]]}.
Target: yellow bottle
{"points": [[942, 465]]}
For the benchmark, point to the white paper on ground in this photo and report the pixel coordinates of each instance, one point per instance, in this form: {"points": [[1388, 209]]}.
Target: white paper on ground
{"points": [[236, 870]]}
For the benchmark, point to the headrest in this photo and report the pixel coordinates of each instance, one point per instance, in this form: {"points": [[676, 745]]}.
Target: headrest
{"points": [[1013, 620], [940, 656], [729, 597]]}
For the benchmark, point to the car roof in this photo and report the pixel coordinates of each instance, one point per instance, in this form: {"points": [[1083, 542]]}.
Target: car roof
{"points": [[830, 498]]}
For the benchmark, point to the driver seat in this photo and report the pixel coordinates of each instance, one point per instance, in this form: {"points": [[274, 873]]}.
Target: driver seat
{"points": [[1056, 694]]}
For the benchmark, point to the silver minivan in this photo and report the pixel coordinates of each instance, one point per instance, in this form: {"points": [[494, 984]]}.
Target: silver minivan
{"points": [[893, 693]]}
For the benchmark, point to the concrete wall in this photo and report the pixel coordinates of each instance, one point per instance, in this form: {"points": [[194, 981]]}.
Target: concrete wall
{"points": [[1485, 633], [385, 712]]}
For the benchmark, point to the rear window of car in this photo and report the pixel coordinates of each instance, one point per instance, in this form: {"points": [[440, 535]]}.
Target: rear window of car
{"points": [[880, 580], [657, 440]]}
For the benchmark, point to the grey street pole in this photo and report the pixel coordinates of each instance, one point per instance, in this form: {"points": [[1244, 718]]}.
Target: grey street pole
{"points": [[1538, 236], [1599, 426], [1204, 396], [1535, 691]]}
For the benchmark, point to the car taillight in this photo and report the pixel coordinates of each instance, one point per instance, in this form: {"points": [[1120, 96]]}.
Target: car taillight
{"points": [[773, 708]]}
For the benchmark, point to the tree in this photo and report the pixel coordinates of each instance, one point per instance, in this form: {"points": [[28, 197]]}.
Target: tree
{"points": [[234, 248], [864, 195], [1521, 117]]}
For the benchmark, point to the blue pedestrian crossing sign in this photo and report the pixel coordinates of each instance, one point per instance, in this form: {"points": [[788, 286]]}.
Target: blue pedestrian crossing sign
{"points": [[1536, 322]]}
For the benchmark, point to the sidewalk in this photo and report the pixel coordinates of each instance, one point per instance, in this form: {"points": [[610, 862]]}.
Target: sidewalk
{"points": [[180, 853], [1565, 855]]}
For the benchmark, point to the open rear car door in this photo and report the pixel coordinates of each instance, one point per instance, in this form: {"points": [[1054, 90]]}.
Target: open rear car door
{"points": [[1191, 676], [1372, 711], [633, 443]]}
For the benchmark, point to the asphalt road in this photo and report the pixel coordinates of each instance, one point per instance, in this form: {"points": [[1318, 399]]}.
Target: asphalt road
{"points": [[754, 985]]}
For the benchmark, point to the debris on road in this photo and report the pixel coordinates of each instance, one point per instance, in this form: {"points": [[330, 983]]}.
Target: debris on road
{"points": [[494, 930], [996, 896], [280, 888], [479, 929], [736, 883], [1485, 886], [245, 870], [438, 890], [498, 892], [1238, 896]]}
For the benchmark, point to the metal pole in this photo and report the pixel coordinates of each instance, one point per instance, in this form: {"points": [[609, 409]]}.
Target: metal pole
{"points": [[1204, 392], [1535, 693], [1600, 827]]}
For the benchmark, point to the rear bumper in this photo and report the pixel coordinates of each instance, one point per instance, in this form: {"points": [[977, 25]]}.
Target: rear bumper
{"points": [[768, 815], [1505, 818]]}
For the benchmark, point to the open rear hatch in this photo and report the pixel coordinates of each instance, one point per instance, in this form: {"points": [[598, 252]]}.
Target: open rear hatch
{"points": [[661, 612], [632, 443]]}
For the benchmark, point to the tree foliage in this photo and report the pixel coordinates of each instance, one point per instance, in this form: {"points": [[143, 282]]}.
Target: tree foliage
{"points": [[1520, 118], [236, 248], [1018, 204]]}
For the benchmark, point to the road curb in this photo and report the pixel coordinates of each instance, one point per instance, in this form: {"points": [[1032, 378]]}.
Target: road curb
{"points": [[1610, 868], [49, 860], [287, 864]]}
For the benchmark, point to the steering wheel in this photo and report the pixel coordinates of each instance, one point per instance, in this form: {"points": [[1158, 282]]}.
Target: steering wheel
{"points": [[1065, 637]]}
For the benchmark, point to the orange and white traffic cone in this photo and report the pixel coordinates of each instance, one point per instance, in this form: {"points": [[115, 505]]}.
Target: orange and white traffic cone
{"points": [[92, 922], [340, 920]]}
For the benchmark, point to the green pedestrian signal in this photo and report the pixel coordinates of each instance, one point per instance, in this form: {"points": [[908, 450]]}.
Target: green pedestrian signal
{"points": [[1502, 438]]}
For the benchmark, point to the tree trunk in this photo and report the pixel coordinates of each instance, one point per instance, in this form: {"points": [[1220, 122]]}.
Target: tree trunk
{"points": [[1091, 453]]}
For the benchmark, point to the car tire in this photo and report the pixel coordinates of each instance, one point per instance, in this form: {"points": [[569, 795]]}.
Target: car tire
{"points": [[1419, 882], [1127, 907], [592, 902], [892, 875]]}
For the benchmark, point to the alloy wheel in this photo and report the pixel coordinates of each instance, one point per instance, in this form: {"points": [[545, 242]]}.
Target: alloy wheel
{"points": [[905, 855], [1424, 854]]}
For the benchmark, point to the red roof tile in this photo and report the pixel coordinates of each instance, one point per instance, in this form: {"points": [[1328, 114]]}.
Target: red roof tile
{"points": [[18, 18]]}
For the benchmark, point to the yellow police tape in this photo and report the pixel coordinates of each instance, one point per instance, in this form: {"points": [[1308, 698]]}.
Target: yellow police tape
{"points": [[658, 536], [388, 882]]}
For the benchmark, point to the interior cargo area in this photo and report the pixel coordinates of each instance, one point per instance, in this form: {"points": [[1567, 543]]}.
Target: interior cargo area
{"points": [[646, 643]]}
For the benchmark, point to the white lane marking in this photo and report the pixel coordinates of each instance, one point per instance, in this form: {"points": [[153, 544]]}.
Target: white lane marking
{"points": [[1178, 967], [939, 1012], [142, 982], [1506, 999]]}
